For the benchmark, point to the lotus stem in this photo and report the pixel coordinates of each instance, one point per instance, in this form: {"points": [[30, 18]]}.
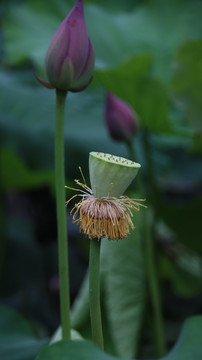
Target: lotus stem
{"points": [[94, 293], [61, 215], [154, 290]]}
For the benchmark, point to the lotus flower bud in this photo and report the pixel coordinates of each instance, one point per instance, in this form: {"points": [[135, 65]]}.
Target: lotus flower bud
{"points": [[121, 120], [70, 57], [111, 175]]}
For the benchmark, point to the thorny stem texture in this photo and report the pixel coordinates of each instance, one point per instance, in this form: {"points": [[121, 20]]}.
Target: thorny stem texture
{"points": [[61, 214], [94, 293]]}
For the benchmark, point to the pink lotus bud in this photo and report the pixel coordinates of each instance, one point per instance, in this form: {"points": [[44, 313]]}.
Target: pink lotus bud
{"points": [[121, 120], [70, 57]]}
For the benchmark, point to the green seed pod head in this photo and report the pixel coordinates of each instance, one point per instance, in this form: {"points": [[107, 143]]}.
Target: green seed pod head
{"points": [[110, 175]]}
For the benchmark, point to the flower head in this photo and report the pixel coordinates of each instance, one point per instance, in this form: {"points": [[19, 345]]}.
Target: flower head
{"points": [[121, 120], [69, 61], [99, 213]]}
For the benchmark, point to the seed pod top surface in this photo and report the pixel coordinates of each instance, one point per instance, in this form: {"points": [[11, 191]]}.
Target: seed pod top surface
{"points": [[110, 175]]}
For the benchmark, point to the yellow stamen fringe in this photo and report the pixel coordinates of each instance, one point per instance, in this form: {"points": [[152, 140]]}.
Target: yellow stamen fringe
{"points": [[103, 217]]}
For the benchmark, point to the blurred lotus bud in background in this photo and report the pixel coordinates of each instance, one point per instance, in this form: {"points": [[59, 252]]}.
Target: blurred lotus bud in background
{"points": [[120, 118]]}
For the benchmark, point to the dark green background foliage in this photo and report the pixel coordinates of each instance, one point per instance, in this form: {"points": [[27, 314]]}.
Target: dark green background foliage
{"points": [[149, 53]]}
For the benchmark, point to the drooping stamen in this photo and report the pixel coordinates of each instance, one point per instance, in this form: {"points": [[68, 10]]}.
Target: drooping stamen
{"points": [[108, 216]]}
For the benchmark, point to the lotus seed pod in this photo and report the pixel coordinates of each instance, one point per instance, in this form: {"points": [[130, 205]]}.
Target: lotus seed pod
{"points": [[110, 175], [103, 210]]}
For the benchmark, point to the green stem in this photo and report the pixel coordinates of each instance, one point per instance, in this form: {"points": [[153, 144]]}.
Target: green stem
{"points": [[150, 254], [130, 149], [94, 293], [160, 342], [159, 337], [150, 171], [3, 242], [131, 153], [61, 215]]}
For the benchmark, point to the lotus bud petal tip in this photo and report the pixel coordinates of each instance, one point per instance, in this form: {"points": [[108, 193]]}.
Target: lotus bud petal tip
{"points": [[120, 118], [69, 60]]}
